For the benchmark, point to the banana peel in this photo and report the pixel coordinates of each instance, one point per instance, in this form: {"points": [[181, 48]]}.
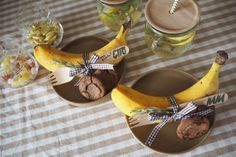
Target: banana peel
{"points": [[127, 99], [52, 59]]}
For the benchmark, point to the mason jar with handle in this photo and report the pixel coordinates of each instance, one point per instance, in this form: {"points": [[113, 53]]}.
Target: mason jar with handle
{"points": [[170, 34], [113, 13]]}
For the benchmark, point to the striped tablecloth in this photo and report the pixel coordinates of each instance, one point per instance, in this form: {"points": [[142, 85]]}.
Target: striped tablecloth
{"points": [[36, 122]]}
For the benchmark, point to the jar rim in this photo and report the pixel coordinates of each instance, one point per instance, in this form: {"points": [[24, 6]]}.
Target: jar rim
{"points": [[113, 2], [175, 34], [168, 26]]}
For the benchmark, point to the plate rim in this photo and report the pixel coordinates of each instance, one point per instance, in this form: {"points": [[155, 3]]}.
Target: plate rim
{"points": [[160, 152]]}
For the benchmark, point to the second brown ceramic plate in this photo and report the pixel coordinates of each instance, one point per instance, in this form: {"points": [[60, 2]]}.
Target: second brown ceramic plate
{"points": [[164, 82], [70, 93]]}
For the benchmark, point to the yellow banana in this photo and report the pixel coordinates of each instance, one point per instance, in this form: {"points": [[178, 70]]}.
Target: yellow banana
{"points": [[52, 58], [127, 99]]}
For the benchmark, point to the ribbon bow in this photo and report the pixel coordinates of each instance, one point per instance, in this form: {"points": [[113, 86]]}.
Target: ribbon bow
{"points": [[88, 65], [182, 114], [190, 107]]}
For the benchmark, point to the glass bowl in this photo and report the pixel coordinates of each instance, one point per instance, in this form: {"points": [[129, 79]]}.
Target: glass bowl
{"points": [[17, 69], [38, 25]]}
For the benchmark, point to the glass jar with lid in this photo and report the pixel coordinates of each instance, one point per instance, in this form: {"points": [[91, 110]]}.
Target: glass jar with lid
{"points": [[113, 13], [170, 35], [37, 24]]}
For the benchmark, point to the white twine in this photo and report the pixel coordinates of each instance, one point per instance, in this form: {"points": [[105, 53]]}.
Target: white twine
{"points": [[174, 6]]}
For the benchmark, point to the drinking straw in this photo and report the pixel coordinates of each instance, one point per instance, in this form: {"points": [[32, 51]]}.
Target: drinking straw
{"points": [[174, 6]]}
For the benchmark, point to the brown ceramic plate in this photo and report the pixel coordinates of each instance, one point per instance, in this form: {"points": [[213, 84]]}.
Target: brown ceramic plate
{"points": [[68, 92], [165, 82]]}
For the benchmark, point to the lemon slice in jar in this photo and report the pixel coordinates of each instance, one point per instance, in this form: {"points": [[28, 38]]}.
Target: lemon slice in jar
{"points": [[186, 39], [135, 15], [111, 18]]}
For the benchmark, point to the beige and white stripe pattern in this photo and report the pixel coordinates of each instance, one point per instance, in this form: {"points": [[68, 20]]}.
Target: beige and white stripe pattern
{"points": [[36, 122]]}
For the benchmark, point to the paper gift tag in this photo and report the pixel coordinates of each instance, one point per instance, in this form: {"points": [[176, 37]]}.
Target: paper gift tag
{"points": [[114, 54]]}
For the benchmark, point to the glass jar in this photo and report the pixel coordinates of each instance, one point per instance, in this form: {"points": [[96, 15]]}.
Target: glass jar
{"points": [[38, 25], [17, 67], [113, 13], [168, 45], [170, 35]]}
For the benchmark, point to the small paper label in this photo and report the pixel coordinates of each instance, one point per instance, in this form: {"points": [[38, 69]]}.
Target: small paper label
{"points": [[115, 54], [120, 52], [215, 100]]}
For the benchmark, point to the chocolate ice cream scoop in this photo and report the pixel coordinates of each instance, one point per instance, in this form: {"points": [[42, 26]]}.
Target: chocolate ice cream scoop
{"points": [[191, 128]]}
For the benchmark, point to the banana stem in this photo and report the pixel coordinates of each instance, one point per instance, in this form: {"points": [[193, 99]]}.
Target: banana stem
{"points": [[127, 26], [221, 57], [121, 36]]}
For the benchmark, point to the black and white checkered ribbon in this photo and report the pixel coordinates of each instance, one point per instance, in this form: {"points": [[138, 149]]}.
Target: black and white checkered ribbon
{"points": [[163, 116], [88, 65], [200, 113], [158, 116], [178, 115], [172, 101], [175, 115]]}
